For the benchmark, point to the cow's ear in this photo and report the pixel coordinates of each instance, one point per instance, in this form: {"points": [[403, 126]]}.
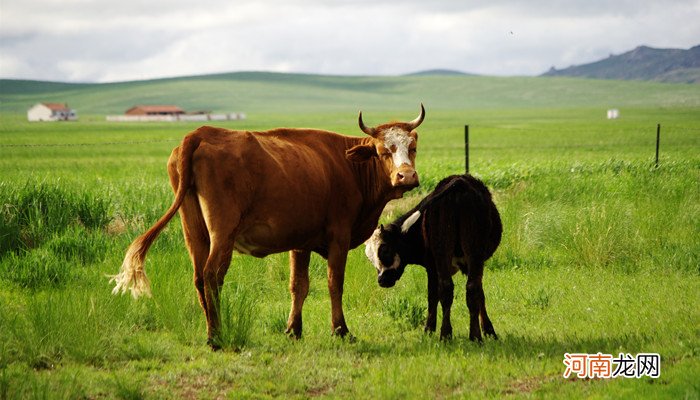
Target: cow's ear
{"points": [[408, 223], [361, 153]]}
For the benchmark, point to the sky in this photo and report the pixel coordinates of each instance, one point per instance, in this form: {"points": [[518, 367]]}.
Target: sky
{"points": [[108, 41]]}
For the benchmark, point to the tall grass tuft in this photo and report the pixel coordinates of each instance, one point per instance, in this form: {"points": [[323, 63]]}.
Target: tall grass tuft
{"points": [[126, 388], [32, 214], [238, 315], [61, 324], [407, 311], [37, 269]]}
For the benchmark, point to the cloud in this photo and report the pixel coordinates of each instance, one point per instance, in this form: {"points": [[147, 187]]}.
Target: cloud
{"points": [[90, 40]]}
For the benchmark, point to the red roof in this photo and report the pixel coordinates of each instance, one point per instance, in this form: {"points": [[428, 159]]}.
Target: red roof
{"points": [[154, 109], [57, 106]]}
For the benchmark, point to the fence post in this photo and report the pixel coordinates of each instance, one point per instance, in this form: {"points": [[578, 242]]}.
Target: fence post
{"points": [[466, 147], [658, 138]]}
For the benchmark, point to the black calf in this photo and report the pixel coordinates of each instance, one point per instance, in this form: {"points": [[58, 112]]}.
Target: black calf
{"points": [[456, 227]]}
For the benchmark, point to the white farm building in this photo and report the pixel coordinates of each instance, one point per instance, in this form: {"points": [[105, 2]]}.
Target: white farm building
{"points": [[51, 112]]}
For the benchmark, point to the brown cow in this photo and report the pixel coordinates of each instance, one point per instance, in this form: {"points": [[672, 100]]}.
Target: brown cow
{"points": [[297, 190]]}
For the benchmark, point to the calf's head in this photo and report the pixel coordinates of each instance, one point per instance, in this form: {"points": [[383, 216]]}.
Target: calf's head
{"points": [[384, 250], [394, 144]]}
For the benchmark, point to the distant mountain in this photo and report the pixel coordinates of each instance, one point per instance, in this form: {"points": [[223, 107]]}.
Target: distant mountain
{"points": [[642, 63]]}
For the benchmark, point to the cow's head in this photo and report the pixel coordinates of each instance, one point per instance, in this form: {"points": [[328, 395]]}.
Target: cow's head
{"points": [[384, 250], [394, 144]]}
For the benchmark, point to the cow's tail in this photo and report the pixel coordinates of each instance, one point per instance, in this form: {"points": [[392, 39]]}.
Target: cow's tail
{"points": [[132, 275]]}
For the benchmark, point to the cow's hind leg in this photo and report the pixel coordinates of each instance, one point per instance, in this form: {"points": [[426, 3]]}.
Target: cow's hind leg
{"points": [[214, 273], [299, 288], [195, 232], [197, 240], [337, 256]]}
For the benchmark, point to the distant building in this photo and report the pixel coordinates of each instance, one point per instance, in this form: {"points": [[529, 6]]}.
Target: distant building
{"points": [[155, 110], [51, 112], [169, 113]]}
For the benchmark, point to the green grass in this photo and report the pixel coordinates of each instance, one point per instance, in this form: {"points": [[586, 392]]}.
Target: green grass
{"points": [[600, 253]]}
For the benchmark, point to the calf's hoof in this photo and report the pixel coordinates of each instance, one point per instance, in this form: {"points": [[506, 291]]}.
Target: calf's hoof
{"points": [[492, 335], [475, 338], [446, 334]]}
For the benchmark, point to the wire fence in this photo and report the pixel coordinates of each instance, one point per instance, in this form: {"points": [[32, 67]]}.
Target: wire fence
{"points": [[673, 129]]}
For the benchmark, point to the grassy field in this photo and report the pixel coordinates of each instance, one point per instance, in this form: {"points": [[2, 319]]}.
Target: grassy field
{"points": [[601, 253], [266, 93]]}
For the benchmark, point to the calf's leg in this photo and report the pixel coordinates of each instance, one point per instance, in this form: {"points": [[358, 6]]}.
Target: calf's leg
{"points": [[486, 324], [474, 303], [446, 297], [433, 298]]}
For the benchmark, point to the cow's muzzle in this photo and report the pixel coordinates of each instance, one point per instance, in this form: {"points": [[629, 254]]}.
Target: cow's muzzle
{"points": [[406, 177], [387, 278]]}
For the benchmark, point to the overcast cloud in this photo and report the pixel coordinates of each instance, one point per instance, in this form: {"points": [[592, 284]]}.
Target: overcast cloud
{"points": [[103, 41]]}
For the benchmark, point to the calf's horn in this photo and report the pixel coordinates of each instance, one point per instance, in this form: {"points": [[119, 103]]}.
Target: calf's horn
{"points": [[416, 122]]}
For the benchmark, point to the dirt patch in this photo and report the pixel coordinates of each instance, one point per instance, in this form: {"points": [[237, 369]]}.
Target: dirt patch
{"points": [[529, 385]]}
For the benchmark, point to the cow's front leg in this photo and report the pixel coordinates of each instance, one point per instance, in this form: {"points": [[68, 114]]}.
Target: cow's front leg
{"points": [[433, 298], [298, 288], [446, 297], [337, 256]]}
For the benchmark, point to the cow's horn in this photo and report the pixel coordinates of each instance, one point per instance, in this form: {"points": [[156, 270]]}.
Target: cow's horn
{"points": [[416, 122], [365, 129]]}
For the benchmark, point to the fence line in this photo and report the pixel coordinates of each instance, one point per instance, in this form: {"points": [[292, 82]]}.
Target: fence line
{"points": [[674, 129]]}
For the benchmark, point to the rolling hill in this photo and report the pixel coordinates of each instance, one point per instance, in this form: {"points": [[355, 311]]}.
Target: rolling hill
{"points": [[263, 92], [642, 63]]}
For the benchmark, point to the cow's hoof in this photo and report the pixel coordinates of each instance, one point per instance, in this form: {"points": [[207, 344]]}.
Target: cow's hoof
{"points": [[215, 344], [293, 333], [347, 337], [343, 333]]}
